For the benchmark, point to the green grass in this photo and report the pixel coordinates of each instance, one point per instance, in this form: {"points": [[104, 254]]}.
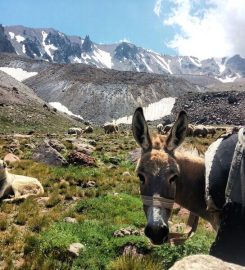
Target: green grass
{"points": [[98, 219]]}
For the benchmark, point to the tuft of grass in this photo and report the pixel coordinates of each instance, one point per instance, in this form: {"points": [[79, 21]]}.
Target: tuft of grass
{"points": [[3, 221], [54, 199], [129, 262]]}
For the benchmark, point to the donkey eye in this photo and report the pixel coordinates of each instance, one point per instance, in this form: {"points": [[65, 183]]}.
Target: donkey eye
{"points": [[142, 178], [173, 178]]}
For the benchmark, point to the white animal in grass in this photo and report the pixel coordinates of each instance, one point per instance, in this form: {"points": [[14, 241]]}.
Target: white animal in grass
{"points": [[18, 185]]}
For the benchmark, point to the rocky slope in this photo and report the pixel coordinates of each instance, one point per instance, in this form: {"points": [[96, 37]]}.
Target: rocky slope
{"points": [[213, 108], [22, 110], [53, 46], [101, 95]]}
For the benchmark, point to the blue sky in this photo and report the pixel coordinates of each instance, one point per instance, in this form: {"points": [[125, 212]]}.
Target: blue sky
{"points": [[202, 28], [106, 21]]}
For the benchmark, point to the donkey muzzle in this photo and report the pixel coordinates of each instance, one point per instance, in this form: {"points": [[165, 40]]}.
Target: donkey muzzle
{"points": [[156, 228]]}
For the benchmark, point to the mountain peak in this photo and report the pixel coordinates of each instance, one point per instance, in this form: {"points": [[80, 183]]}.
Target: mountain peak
{"points": [[87, 45]]}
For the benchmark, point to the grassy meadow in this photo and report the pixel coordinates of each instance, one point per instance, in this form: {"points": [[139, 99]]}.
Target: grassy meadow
{"points": [[35, 234]]}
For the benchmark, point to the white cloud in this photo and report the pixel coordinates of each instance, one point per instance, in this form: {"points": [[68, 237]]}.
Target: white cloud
{"points": [[157, 7], [125, 40], [215, 30]]}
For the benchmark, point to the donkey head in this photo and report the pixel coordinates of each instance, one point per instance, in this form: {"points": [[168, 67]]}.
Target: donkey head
{"points": [[158, 172]]}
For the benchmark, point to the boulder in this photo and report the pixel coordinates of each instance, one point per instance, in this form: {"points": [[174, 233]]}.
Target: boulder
{"points": [[11, 158], [70, 220], [56, 145], [83, 147], [46, 154], [204, 262], [78, 158], [75, 248]]}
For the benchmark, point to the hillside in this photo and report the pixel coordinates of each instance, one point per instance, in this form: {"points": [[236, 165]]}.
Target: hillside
{"points": [[22, 110], [98, 95]]}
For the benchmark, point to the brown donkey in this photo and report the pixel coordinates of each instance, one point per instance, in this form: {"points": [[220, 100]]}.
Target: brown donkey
{"points": [[168, 176]]}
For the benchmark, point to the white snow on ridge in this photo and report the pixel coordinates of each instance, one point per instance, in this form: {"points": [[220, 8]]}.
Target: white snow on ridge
{"points": [[161, 61], [19, 38], [18, 73], [49, 46], [12, 35], [222, 67], [23, 48], [102, 57], [153, 111], [64, 109], [147, 66], [195, 61], [227, 79]]}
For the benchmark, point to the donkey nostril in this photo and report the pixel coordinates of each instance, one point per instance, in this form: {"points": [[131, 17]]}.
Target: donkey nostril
{"points": [[158, 234], [165, 230]]}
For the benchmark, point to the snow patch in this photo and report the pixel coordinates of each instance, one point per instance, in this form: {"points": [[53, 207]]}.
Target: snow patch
{"points": [[221, 66], [153, 111], [12, 35], [61, 108], [195, 61], [161, 61], [77, 60], [102, 57], [227, 79], [18, 73], [147, 66], [19, 38], [48, 47], [24, 48]]}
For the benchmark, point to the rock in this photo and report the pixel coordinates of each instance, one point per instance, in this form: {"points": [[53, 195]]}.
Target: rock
{"points": [[30, 145], [232, 99], [89, 184], [126, 232], [78, 158], [88, 129], [83, 147], [70, 220], [75, 249], [11, 158], [204, 262], [13, 146], [42, 200], [46, 106], [92, 142], [131, 250], [126, 175], [48, 155], [134, 155], [56, 145]]}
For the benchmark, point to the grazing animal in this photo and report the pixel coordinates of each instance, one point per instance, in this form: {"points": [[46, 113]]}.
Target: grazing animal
{"points": [[160, 128], [75, 130], [110, 128], [167, 128], [167, 176], [18, 185], [88, 129], [211, 130], [200, 131]]}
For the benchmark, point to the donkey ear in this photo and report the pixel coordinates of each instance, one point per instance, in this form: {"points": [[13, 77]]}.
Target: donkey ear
{"points": [[140, 130], [177, 132]]}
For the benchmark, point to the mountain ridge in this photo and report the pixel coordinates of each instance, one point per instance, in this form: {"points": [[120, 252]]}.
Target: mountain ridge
{"points": [[54, 46]]}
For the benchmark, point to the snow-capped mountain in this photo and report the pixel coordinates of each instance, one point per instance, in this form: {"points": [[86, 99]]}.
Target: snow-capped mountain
{"points": [[53, 46]]}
